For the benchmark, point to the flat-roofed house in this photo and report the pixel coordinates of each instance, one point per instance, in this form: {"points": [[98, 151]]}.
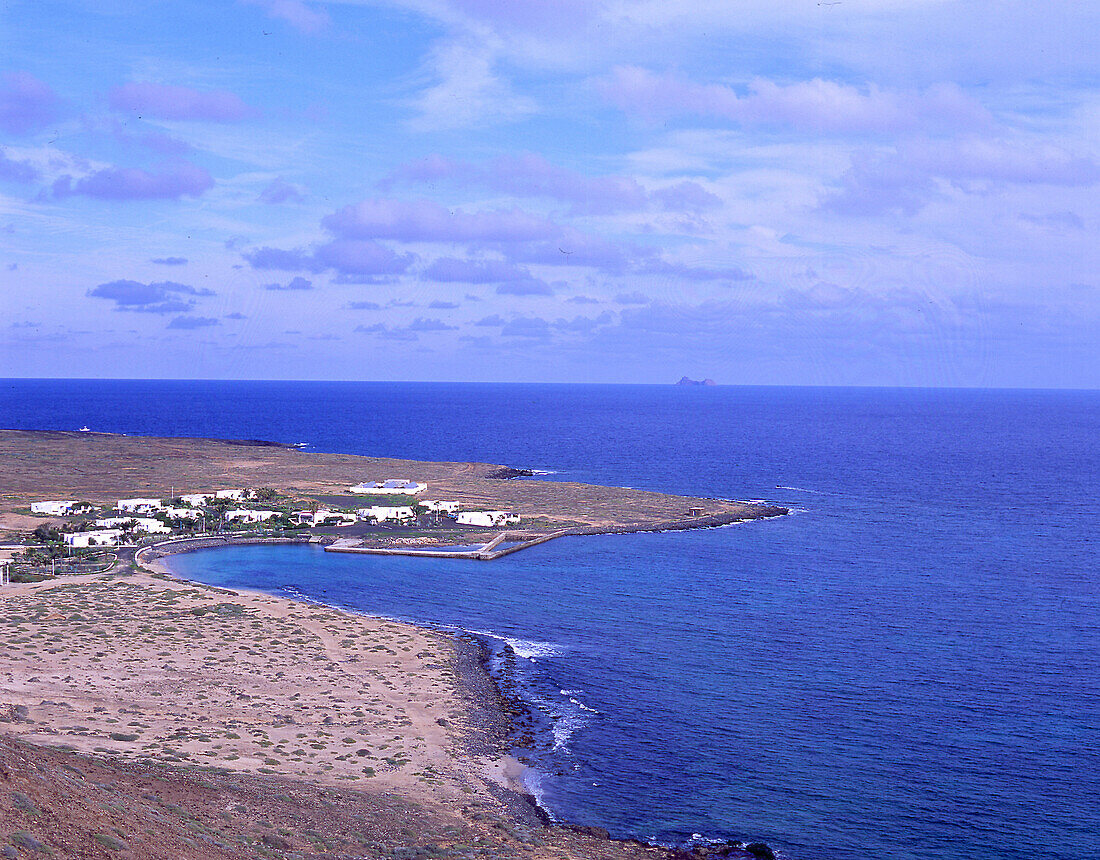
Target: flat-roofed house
{"points": [[196, 500], [487, 518], [247, 516], [233, 495], [389, 487], [139, 506], [323, 517], [182, 513], [102, 537], [387, 513], [445, 507], [53, 509], [141, 524]]}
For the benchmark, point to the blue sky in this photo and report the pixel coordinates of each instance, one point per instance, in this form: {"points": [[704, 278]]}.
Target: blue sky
{"points": [[899, 192]]}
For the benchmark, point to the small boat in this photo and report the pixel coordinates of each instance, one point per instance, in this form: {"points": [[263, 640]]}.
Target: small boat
{"points": [[84, 430]]}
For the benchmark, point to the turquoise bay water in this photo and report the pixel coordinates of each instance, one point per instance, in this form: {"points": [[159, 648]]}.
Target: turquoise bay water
{"points": [[907, 667]]}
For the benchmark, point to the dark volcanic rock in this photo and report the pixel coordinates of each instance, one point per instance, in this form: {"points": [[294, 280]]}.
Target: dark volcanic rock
{"points": [[508, 472], [587, 830], [760, 850]]}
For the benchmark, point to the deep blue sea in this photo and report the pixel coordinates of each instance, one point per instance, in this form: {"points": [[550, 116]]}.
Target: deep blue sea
{"points": [[907, 667]]}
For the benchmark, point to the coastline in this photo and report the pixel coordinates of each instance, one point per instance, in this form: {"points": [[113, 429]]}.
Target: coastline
{"points": [[489, 726]]}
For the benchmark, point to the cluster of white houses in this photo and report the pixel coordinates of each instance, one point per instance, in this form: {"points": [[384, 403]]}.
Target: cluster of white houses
{"points": [[137, 515]]}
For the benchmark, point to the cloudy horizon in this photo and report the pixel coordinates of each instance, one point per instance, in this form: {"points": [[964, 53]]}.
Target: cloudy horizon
{"points": [[898, 192]]}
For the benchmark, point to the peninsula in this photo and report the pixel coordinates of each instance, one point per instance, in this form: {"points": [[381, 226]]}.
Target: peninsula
{"points": [[143, 716]]}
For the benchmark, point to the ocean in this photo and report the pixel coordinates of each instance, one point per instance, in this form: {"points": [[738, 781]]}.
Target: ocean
{"points": [[907, 666]]}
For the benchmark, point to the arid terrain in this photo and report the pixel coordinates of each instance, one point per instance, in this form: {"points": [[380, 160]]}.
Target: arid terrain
{"points": [[102, 467], [146, 717]]}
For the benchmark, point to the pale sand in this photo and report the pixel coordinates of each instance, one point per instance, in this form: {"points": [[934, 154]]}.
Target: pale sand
{"points": [[185, 674]]}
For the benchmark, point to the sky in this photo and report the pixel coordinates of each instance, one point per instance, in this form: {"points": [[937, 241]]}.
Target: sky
{"points": [[852, 192]]}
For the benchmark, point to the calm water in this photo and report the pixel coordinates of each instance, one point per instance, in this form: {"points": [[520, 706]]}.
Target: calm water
{"points": [[908, 667]]}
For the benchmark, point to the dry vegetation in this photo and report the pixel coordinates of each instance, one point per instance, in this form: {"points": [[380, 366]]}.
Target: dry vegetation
{"points": [[101, 467]]}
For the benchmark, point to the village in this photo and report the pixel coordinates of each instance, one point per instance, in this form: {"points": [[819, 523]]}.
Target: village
{"points": [[385, 507]]}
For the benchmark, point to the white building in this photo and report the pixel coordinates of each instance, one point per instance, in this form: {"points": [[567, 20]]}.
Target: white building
{"points": [[487, 518], [323, 517], [389, 487], [234, 495], [182, 513], [247, 516], [141, 524], [196, 500], [385, 513], [53, 509], [139, 506], [104, 537], [445, 507]]}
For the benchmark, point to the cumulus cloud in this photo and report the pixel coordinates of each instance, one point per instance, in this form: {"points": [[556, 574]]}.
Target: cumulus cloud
{"points": [[814, 105], [364, 306], [282, 260], [298, 283], [438, 305], [26, 103], [12, 170], [362, 257], [492, 320], [170, 261], [164, 101], [410, 332], [422, 324], [174, 180], [190, 322], [281, 191], [354, 260], [156, 298], [905, 179]]}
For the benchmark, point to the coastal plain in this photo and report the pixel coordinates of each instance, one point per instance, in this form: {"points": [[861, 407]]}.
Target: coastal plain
{"points": [[101, 467], [142, 716]]}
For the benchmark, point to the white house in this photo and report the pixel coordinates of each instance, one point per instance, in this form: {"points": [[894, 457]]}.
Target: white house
{"points": [[141, 524], [182, 513], [247, 516], [139, 506], [234, 495], [445, 507], [196, 500], [385, 513], [389, 487], [487, 518], [104, 537], [323, 517], [53, 509]]}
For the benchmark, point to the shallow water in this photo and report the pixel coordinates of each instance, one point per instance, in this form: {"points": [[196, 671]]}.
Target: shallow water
{"points": [[909, 666]]}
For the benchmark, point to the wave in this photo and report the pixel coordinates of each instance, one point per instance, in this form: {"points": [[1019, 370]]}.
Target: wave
{"points": [[803, 490], [533, 650]]}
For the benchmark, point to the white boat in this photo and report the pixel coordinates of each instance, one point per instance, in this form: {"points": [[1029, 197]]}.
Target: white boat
{"points": [[84, 430]]}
